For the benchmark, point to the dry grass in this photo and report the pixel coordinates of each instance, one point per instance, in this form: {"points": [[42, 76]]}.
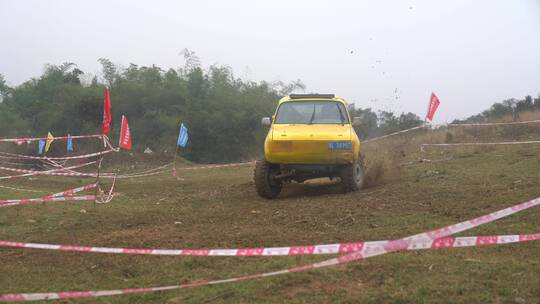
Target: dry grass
{"points": [[219, 209]]}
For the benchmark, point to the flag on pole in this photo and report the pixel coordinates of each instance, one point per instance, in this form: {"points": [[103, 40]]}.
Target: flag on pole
{"points": [[106, 126], [50, 139], [41, 144], [432, 107], [125, 135], [69, 143], [182, 136]]}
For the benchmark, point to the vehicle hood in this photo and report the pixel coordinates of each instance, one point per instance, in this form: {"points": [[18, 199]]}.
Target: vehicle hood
{"points": [[311, 132]]}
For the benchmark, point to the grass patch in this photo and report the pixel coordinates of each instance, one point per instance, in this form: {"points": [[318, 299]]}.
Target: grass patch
{"points": [[219, 208]]}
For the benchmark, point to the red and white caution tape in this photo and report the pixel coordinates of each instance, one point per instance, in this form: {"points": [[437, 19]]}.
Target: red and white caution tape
{"points": [[70, 192], [189, 168], [436, 239], [20, 156], [136, 175], [481, 144], [55, 169], [56, 197], [108, 198], [49, 199], [392, 134], [57, 164], [493, 123], [281, 251], [77, 174], [149, 172], [31, 139], [284, 251], [54, 172], [449, 242], [153, 172]]}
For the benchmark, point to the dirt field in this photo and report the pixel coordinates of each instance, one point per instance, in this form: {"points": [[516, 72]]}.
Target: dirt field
{"points": [[218, 208]]}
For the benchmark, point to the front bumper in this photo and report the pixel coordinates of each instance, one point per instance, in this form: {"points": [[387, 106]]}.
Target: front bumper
{"points": [[306, 152]]}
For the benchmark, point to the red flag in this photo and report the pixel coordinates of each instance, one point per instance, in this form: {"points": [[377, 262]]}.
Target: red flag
{"points": [[106, 127], [125, 135], [432, 107]]}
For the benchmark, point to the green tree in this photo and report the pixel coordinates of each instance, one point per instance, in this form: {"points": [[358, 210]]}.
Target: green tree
{"points": [[221, 111], [109, 71]]}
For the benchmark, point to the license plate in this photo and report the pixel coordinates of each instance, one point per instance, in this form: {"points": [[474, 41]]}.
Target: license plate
{"points": [[340, 145]]}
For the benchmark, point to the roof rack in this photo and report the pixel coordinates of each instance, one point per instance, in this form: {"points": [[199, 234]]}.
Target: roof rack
{"points": [[299, 96]]}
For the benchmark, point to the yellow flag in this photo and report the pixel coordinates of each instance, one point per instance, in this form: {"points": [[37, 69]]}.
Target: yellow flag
{"points": [[50, 139]]}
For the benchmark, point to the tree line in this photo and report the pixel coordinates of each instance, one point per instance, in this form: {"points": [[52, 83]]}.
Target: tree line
{"points": [[507, 108], [222, 111]]}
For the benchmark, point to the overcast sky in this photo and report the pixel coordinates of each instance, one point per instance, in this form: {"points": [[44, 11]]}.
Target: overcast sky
{"points": [[380, 54]]}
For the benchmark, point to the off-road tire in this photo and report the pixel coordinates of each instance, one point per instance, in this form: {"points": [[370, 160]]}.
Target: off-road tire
{"points": [[265, 185], [352, 176]]}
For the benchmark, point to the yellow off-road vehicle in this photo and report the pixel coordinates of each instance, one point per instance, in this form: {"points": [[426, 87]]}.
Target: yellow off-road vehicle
{"points": [[310, 136]]}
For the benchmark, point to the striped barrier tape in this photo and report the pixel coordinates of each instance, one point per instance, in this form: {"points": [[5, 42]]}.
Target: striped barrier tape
{"points": [[108, 198], [107, 143], [137, 175], [21, 156], [450, 125], [480, 144], [52, 163], [190, 168], [30, 139], [324, 249], [149, 173], [76, 174], [51, 197], [53, 172], [271, 251], [436, 244], [493, 123], [70, 192], [439, 237], [35, 171], [449, 242], [395, 133]]}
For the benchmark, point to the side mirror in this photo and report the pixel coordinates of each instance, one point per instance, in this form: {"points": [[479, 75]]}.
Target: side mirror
{"points": [[357, 121], [265, 121]]}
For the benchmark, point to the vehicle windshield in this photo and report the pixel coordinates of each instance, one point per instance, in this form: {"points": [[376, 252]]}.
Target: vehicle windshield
{"points": [[311, 112]]}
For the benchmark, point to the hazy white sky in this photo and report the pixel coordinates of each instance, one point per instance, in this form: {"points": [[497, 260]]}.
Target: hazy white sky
{"points": [[379, 54]]}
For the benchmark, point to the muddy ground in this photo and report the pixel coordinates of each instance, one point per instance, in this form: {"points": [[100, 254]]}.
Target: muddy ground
{"points": [[218, 208]]}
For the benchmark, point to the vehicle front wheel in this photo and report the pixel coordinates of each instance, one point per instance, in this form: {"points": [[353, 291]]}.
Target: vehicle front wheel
{"points": [[265, 183], [352, 177]]}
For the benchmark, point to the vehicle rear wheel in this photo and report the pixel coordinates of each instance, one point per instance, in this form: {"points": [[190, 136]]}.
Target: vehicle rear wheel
{"points": [[352, 176], [265, 183]]}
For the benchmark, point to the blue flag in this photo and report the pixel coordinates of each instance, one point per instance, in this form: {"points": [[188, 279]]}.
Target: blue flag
{"points": [[41, 146], [183, 136], [69, 143]]}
